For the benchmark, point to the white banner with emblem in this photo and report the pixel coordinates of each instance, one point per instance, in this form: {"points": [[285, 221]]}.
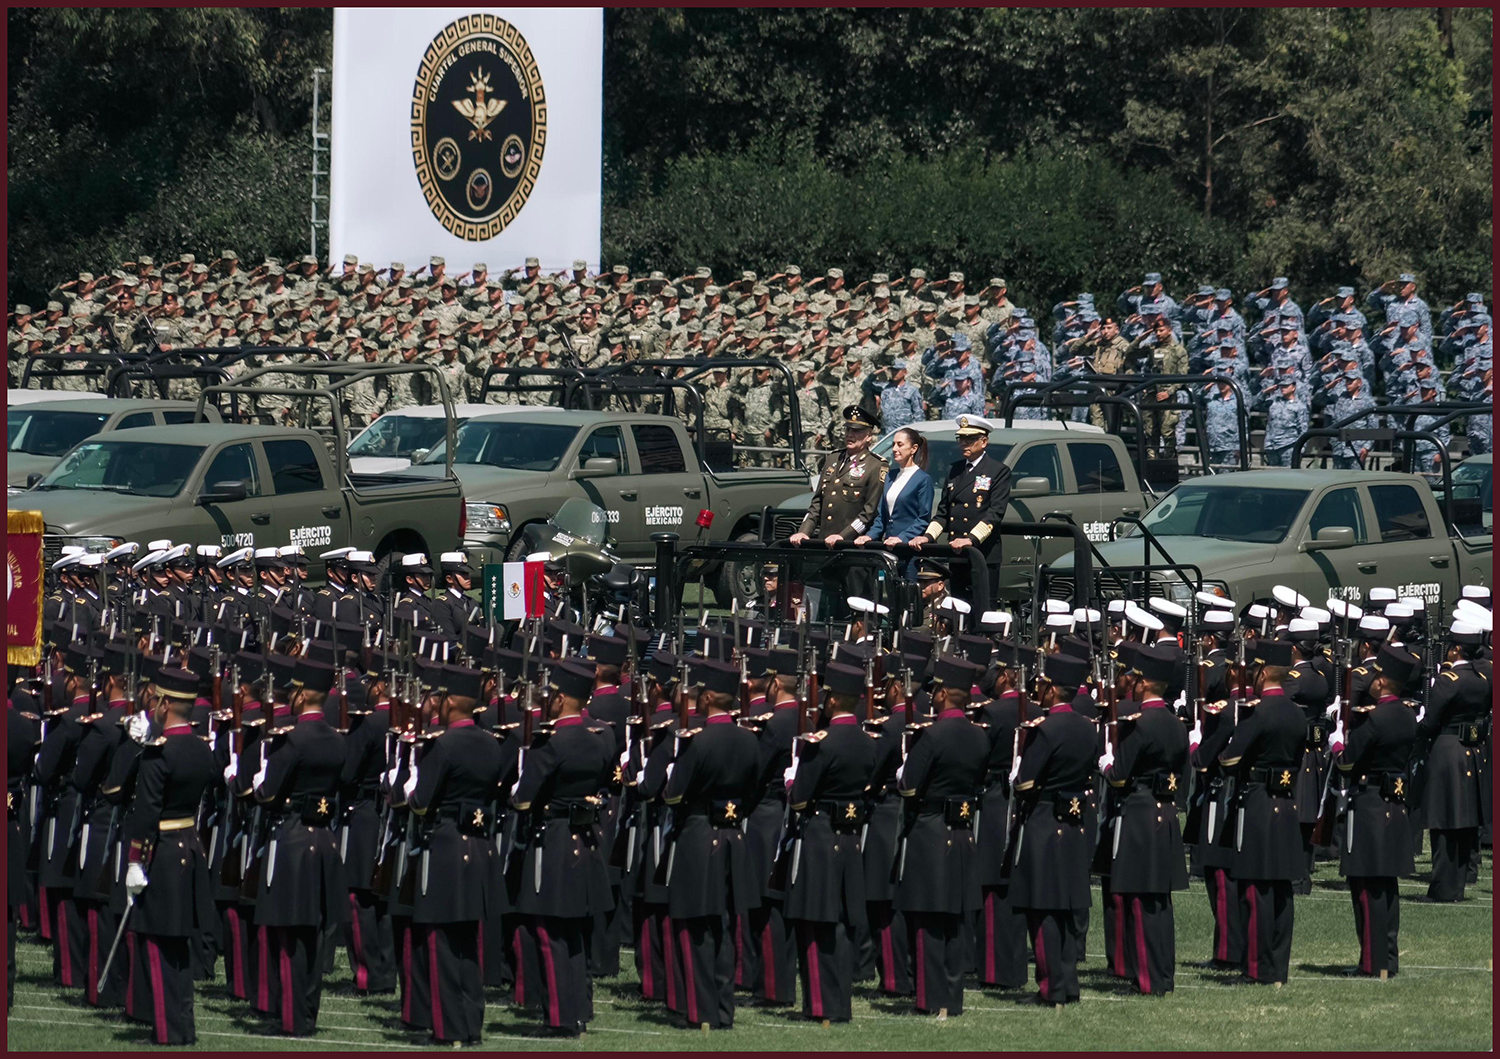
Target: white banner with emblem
{"points": [[471, 134]]}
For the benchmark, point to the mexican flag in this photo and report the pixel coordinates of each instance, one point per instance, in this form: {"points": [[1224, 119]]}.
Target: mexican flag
{"points": [[523, 590]]}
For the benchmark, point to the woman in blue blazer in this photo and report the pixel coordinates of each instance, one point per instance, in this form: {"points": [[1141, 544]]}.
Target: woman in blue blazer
{"points": [[906, 501]]}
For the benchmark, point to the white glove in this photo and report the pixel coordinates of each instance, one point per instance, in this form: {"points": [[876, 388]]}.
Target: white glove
{"points": [[1333, 709], [670, 766], [1106, 759], [789, 774], [232, 769], [1195, 736], [138, 727], [411, 782], [1336, 739], [135, 879], [640, 777], [1015, 769], [260, 773], [390, 778], [1421, 713]]}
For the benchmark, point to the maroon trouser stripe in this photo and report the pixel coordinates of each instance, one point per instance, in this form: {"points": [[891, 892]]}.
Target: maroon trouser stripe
{"points": [[549, 968], [236, 949], [92, 985], [158, 992], [648, 986], [1252, 936], [1142, 970], [361, 972], [689, 985], [667, 959], [1042, 983], [62, 942], [1367, 947], [288, 1015], [435, 989]]}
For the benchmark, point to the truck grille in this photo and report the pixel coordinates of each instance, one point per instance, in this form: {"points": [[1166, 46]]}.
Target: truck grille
{"points": [[783, 526]]}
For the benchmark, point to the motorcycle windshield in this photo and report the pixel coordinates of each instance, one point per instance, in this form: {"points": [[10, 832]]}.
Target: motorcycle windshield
{"points": [[582, 521]]}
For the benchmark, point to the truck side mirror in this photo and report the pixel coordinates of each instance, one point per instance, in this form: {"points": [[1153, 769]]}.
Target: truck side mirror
{"points": [[1037, 486], [33, 478], [223, 493], [417, 455], [1330, 537], [598, 467]]}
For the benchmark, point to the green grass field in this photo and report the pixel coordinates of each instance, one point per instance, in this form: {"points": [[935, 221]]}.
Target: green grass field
{"points": [[1442, 999]]}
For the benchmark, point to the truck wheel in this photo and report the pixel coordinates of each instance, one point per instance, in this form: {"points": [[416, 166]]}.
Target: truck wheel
{"points": [[739, 582], [519, 546]]}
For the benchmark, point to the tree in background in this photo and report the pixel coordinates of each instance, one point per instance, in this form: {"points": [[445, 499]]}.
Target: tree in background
{"points": [[1327, 145]]}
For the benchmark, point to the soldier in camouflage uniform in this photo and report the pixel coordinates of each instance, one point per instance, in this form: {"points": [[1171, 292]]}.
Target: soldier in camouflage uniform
{"points": [[1166, 356], [762, 424]]}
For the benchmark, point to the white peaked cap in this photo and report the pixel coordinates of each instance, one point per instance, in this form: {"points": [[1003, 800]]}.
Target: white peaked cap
{"points": [[1288, 597]]}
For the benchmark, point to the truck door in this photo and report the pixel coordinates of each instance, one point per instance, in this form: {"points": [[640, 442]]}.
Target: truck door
{"points": [[620, 496], [1416, 556], [307, 511], [670, 495], [1099, 482], [1350, 573], [238, 523]]}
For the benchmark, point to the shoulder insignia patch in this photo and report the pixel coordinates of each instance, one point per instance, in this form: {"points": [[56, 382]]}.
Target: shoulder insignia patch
{"points": [[1451, 675]]}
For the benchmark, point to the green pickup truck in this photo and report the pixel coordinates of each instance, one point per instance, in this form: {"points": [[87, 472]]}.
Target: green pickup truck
{"points": [[236, 485], [1323, 533], [519, 465], [38, 434]]}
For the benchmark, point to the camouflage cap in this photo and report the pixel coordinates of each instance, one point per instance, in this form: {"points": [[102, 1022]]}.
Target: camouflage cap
{"points": [[619, 270], [917, 273], [1407, 277], [997, 282], [792, 270], [955, 277], [532, 262], [229, 255]]}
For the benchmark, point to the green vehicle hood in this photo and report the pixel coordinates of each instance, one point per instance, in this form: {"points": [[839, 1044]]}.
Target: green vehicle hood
{"points": [[19, 464], [483, 483], [98, 511], [1212, 556]]}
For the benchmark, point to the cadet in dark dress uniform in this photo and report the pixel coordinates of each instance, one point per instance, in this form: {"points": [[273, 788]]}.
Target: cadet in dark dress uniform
{"points": [[1209, 826], [57, 869], [887, 926], [1265, 752], [368, 937], [712, 791], [21, 744], [1146, 858], [168, 869], [302, 892], [768, 950], [1307, 686], [453, 791], [563, 881], [1376, 850], [609, 706], [1455, 722], [1000, 931], [102, 736], [937, 869], [1050, 860], [825, 900], [972, 504]]}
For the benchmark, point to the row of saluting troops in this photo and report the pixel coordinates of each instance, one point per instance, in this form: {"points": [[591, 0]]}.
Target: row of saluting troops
{"points": [[747, 807]]}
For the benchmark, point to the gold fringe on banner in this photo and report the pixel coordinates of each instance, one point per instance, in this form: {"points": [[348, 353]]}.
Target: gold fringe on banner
{"points": [[23, 523]]}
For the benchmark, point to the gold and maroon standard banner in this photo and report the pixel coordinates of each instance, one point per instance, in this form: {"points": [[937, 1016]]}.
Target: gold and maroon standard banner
{"points": [[23, 587]]}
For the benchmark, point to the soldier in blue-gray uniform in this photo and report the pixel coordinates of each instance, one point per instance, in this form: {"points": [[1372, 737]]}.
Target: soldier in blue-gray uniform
{"points": [[1221, 421], [1274, 303], [1071, 318], [949, 364], [1287, 418], [1197, 308], [964, 399], [900, 401], [1150, 293], [1355, 398], [1223, 315], [1427, 461], [1401, 294], [1330, 309], [1290, 345], [1455, 315], [1468, 331], [1404, 331]]}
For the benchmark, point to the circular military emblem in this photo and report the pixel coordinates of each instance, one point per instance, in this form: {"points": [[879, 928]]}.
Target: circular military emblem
{"points": [[478, 125]]}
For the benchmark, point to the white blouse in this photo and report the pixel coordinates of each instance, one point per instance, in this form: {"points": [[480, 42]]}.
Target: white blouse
{"points": [[895, 485]]}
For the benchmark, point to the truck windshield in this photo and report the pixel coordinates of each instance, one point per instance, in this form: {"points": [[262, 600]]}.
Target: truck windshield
{"points": [[1232, 513], [43, 433], [942, 451], [397, 435], [509, 444], [136, 467]]}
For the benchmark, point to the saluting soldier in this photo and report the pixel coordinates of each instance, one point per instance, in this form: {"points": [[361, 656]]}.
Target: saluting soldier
{"points": [[1049, 862], [563, 880], [301, 893], [1451, 798], [937, 877], [1265, 753], [168, 869], [1146, 858], [973, 502], [453, 790], [826, 897], [712, 790], [1376, 849]]}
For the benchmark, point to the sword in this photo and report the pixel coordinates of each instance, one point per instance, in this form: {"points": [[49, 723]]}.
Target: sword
{"points": [[271, 863], [1349, 829], [536, 873], [671, 862], [630, 846], [1239, 829], [83, 847], [1115, 848], [796, 857], [344, 843], [51, 835], [119, 933], [1213, 808], [426, 863]]}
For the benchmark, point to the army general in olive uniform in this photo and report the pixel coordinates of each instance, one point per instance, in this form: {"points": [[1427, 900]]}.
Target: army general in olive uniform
{"points": [[843, 505]]}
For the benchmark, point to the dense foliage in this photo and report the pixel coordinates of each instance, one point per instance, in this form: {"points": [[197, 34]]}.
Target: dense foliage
{"points": [[1061, 149]]}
